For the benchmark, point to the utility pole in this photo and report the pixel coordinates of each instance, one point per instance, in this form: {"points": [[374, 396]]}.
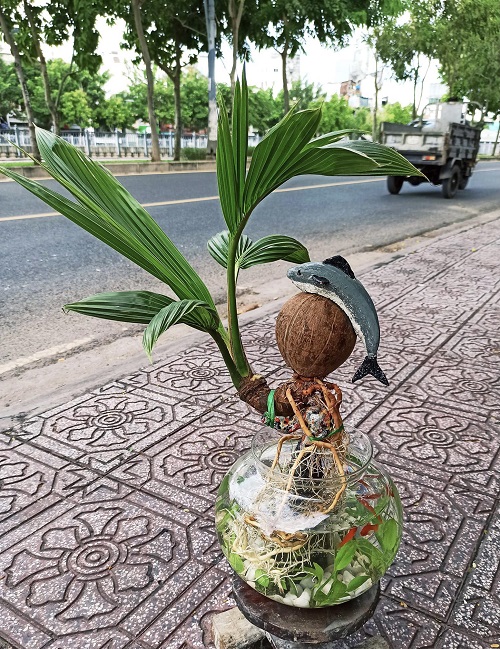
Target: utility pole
{"points": [[212, 100]]}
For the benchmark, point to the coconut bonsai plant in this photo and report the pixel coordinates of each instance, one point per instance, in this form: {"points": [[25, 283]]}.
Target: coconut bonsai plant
{"points": [[306, 518]]}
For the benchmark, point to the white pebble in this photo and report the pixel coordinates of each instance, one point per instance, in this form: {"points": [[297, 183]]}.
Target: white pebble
{"points": [[347, 577], [307, 582], [250, 573], [303, 600], [362, 588]]}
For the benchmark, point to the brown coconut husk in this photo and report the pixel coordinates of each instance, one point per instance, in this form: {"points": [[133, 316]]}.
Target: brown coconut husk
{"points": [[314, 335]]}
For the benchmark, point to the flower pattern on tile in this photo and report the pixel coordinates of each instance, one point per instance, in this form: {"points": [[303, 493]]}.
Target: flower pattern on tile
{"points": [[193, 373], [87, 566], [109, 421], [17, 482], [200, 462], [448, 440]]}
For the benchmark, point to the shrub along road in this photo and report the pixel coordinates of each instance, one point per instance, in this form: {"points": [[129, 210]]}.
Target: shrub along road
{"points": [[47, 261]]}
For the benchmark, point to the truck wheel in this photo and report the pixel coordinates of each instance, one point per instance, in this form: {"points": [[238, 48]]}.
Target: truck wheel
{"points": [[394, 184], [450, 185], [463, 182]]}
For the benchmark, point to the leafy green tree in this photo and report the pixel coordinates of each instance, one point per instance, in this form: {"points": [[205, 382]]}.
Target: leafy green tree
{"points": [[91, 84], [194, 100], [172, 29], [363, 119], [264, 111], [10, 91], [468, 49], [406, 43], [397, 113], [336, 115], [302, 94], [54, 23], [117, 113], [76, 109]]}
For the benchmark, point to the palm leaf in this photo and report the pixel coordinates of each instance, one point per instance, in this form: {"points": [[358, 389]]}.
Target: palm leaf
{"points": [[218, 246], [109, 203], [195, 313], [273, 248], [391, 163], [240, 134], [276, 152], [124, 306], [227, 179], [263, 251], [329, 138]]}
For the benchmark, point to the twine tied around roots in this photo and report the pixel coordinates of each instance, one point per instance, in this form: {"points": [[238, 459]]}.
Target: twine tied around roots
{"points": [[312, 443]]}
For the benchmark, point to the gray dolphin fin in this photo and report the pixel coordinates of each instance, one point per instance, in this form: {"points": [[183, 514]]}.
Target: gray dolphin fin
{"points": [[370, 366]]}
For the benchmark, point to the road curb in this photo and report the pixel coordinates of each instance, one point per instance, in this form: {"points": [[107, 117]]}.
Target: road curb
{"points": [[126, 168]]}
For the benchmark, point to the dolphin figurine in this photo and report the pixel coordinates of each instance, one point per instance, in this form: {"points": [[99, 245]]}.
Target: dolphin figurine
{"points": [[335, 280]]}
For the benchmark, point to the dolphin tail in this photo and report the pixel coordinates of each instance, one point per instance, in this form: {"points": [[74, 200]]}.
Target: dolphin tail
{"points": [[370, 366]]}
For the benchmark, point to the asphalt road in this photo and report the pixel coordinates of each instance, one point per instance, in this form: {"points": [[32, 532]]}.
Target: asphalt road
{"points": [[46, 261]]}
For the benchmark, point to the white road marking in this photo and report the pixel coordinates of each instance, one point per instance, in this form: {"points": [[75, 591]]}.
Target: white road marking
{"points": [[201, 199]]}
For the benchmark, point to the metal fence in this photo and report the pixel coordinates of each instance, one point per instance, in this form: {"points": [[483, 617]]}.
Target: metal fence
{"points": [[107, 145]]}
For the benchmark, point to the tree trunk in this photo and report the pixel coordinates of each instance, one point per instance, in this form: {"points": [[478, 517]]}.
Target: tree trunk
{"points": [[415, 81], [66, 76], [212, 101], [496, 140], [422, 87], [375, 109], [155, 141], [176, 78], [43, 67], [22, 81], [286, 94], [235, 14]]}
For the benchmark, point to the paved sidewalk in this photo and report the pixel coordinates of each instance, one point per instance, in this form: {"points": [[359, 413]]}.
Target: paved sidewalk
{"points": [[106, 531]]}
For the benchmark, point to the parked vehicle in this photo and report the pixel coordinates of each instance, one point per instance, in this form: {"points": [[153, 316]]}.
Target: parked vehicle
{"points": [[443, 145]]}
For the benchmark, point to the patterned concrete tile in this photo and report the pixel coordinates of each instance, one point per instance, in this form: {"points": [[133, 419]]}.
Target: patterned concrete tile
{"points": [[452, 639], [399, 625], [29, 481], [21, 632], [442, 306], [260, 345], [478, 607], [104, 430], [477, 342], [93, 564], [179, 626], [464, 386], [433, 439], [198, 374], [189, 465], [106, 639], [443, 526]]}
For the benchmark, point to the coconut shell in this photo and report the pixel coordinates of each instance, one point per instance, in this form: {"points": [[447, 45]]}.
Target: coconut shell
{"points": [[314, 335]]}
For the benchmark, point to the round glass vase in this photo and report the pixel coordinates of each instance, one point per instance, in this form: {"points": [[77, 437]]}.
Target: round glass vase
{"points": [[281, 537]]}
